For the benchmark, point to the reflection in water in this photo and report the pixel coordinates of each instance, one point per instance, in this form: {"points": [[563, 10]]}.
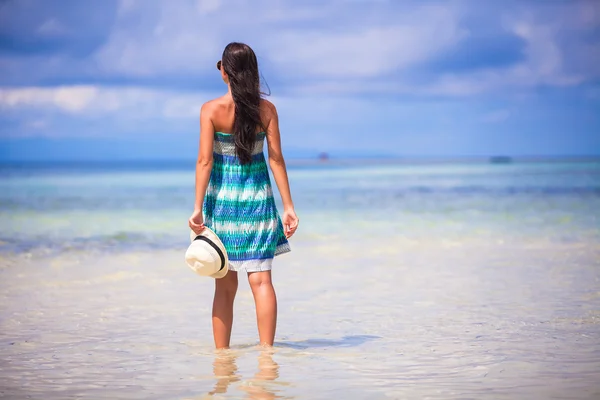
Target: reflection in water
{"points": [[225, 370], [260, 386]]}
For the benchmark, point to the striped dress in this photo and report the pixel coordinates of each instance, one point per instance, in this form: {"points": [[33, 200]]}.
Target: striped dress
{"points": [[240, 208]]}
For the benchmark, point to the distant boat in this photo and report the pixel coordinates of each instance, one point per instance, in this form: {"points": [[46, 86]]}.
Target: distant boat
{"points": [[323, 156], [501, 160]]}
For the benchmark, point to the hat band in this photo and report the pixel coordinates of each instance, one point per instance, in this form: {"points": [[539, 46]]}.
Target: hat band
{"points": [[214, 246]]}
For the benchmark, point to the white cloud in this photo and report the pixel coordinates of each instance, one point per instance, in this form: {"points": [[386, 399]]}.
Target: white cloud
{"points": [[106, 111], [126, 6], [554, 55], [135, 103], [208, 6], [334, 47], [37, 124], [547, 59], [170, 38], [122, 102], [186, 36], [368, 50], [544, 59], [52, 27], [71, 99], [496, 116], [96, 111]]}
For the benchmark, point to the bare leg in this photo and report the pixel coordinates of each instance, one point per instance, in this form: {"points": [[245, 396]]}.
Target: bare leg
{"points": [[266, 305], [222, 312]]}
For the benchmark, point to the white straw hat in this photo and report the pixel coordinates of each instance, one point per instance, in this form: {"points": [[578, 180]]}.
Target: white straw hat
{"points": [[206, 255]]}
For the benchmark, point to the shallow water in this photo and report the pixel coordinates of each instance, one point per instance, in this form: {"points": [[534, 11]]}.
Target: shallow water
{"points": [[440, 282]]}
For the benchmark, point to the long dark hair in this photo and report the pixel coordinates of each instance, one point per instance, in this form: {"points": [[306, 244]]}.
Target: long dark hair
{"points": [[240, 64]]}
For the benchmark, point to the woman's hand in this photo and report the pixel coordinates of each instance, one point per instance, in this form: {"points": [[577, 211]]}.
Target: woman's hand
{"points": [[290, 222], [196, 222]]}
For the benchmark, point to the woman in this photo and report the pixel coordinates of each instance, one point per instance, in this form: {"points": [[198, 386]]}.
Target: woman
{"points": [[233, 191]]}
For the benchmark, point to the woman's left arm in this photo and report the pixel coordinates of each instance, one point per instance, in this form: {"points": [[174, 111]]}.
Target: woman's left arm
{"points": [[203, 165]]}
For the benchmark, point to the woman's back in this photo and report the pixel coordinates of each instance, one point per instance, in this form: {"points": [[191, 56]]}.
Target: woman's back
{"points": [[223, 114]]}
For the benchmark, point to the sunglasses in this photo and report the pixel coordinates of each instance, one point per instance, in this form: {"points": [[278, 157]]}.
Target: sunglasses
{"points": [[219, 65]]}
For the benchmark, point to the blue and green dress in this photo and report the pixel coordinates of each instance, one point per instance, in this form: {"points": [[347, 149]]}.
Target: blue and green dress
{"points": [[240, 208]]}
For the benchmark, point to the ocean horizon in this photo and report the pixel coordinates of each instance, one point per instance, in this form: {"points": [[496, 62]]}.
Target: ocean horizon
{"points": [[316, 157]]}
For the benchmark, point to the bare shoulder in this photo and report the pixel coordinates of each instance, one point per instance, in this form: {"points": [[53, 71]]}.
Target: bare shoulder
{"points": [[268, 112], [267, 107], [210, 107]]}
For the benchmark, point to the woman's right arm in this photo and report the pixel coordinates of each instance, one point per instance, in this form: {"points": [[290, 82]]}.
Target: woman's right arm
{"points": [[277, 164], [204, 165]]}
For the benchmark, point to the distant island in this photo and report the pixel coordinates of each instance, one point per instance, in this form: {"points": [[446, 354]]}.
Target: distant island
{"points": [[500, 160], [323, 156]]}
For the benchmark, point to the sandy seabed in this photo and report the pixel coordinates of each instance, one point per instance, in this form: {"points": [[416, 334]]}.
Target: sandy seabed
{"points": [[359, 318]]}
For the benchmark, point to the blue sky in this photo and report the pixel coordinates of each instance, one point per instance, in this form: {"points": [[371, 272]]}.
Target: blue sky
{"points": [[105, 79]]}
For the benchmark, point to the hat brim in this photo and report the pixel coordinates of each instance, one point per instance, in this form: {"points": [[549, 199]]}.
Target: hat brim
{"points": [[210, 234]]}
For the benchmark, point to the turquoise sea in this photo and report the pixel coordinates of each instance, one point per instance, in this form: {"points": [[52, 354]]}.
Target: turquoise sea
{"points": [[436, 280]]}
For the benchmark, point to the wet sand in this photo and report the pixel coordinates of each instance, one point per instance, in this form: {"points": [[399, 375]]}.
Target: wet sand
{"points": [[367, 317]]}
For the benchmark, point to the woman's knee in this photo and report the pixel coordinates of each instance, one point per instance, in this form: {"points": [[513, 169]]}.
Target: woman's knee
{"points": [[259, 279], [227, 285]]}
